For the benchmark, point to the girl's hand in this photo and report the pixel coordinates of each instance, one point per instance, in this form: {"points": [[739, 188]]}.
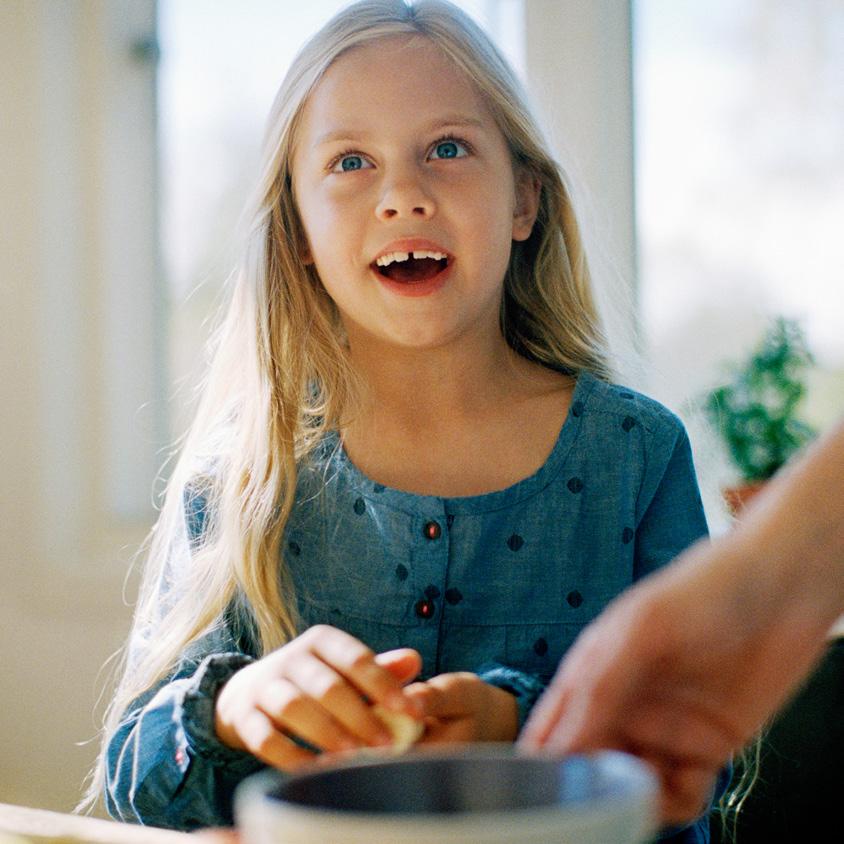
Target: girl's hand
{"points": [[314, 688], [460, 707]]}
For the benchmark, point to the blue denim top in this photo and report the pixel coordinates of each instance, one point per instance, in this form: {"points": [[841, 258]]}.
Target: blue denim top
{"points": [[499, 584]]}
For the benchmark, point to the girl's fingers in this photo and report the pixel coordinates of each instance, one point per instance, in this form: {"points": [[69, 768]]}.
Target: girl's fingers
{"points": [[295, 712], [404, 663], [262, 739], [341, 704], [446, 695], [456, 731], [356, 662]]}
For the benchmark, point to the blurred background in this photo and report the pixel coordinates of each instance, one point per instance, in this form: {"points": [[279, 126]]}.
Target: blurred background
{"points": [[704, 143]]}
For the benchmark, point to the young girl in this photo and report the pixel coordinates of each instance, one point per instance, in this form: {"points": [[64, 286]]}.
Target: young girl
{"points": [[409, 461]]}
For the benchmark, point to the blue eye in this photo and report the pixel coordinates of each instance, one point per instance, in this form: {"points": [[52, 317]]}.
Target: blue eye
{"points": [[349, 162], [449, 149]]}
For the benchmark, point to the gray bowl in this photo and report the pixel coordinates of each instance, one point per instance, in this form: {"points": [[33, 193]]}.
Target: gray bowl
{"points": [[480, 795]]}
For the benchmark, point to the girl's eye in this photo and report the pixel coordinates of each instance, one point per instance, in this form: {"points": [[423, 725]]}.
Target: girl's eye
{"points": [[348, 162], [449, 149]]}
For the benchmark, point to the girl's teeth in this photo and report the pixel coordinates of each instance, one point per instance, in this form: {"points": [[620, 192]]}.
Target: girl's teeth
{"points": [[390, 257]]}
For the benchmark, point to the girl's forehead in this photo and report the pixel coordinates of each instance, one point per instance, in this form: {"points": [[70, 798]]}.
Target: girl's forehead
{"points": [[409, 74]]}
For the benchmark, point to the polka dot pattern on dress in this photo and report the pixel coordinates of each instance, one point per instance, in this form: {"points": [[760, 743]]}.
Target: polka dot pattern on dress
{"points": [[453, 596], [540, 647], [360, 506], [401, 571], [628, 423], [294, 548], [575, 485], [515, 542], [574, 598]]}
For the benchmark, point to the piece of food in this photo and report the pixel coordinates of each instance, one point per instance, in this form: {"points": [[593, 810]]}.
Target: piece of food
{"points": [[406, 731]]}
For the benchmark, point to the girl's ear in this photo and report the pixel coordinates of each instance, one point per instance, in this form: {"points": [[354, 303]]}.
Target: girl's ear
{"points": [[528, 189]]}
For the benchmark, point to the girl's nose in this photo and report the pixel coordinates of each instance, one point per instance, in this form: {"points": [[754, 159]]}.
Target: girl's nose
{"points": [[405, 198]]}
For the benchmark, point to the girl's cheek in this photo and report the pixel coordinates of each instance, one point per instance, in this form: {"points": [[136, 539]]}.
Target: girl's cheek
{"points": [[342, 201]]}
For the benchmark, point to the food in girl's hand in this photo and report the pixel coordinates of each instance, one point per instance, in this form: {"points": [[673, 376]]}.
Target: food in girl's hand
{"points": [[404, 729]]}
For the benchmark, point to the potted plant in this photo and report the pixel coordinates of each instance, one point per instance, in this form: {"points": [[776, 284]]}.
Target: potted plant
{"points": [[756, 411]]}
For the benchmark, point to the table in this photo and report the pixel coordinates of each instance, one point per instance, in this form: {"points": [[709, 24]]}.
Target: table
{"points": [[22, 825]]}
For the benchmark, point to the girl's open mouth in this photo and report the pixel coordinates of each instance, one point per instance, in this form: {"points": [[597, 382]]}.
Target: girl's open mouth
{"points": [[417, 272], [415, 268]]}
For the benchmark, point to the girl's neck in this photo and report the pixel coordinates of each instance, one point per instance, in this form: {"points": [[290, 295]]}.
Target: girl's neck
{"points": [[424, 388], [454, 423]]}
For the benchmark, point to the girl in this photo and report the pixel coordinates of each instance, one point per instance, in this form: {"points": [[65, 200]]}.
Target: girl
{"points": [[408, 460]]}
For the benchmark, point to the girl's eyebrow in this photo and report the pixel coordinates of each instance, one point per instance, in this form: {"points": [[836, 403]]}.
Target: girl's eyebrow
{"points": [[451, 121], [339, 135], [457, 121]]}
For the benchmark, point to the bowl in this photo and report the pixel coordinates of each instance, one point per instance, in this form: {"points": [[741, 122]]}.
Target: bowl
{"points": [[483, 795]]}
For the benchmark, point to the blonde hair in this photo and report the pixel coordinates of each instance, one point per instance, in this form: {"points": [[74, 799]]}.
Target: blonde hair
{"points": [[280, 376]]}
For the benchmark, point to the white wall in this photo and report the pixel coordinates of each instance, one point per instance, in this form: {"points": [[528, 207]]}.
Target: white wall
{"points": [[77, 358]]}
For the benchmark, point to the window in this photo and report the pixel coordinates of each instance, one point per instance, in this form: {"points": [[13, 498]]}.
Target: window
{"points": [[740, 182]]}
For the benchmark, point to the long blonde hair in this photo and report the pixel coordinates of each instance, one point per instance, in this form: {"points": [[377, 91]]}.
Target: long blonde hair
{"points": [[280, 376]]}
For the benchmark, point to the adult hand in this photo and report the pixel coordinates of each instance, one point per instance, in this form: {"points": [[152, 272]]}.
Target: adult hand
{"points": [[680, 671], [460, 707], [629, 683], [686, 666], [319, 687]]}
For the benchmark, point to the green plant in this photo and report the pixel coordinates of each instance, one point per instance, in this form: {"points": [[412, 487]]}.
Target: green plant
{"points": [[755, 412]]}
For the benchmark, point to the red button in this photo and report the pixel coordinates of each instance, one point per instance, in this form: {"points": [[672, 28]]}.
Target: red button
{"points": [[432, 530], [424, 608]]}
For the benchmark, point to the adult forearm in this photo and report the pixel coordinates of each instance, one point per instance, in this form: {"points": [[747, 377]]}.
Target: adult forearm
{"points": [[787, 554]]}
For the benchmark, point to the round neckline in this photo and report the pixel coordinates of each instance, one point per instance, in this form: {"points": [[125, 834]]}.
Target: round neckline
{"points": [[413, 503]]}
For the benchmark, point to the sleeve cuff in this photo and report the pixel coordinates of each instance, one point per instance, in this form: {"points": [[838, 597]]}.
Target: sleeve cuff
{"points": [[526, 688], [198, 711]]}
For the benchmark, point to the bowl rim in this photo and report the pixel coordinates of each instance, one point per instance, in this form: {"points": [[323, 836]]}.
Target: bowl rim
{"points": [[638, 801]]}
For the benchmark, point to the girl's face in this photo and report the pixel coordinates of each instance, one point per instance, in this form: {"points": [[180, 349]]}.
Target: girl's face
{"points": [[408, 198]]}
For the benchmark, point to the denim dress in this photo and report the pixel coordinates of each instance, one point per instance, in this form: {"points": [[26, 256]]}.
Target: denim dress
{"points": [[499, 584]]}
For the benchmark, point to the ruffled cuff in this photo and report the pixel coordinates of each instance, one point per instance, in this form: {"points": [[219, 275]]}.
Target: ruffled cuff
{"points": [[198, 712], [526, 688]]}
